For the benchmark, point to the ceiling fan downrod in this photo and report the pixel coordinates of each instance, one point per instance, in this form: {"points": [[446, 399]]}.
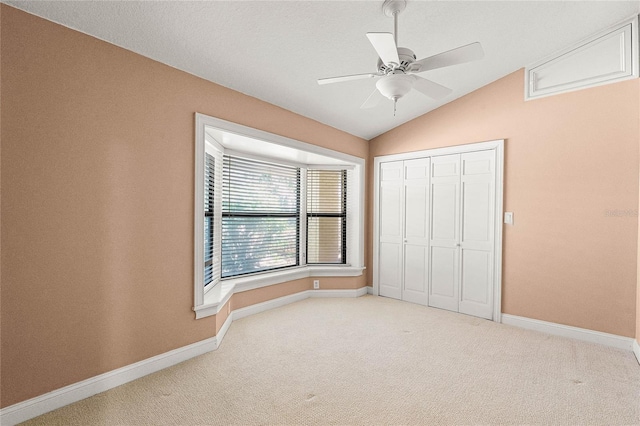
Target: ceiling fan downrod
{"points": [[392, 9], [395, 26]]}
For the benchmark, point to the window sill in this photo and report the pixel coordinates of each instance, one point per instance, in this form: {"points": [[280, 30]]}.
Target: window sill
{"points": [[216, 298]]}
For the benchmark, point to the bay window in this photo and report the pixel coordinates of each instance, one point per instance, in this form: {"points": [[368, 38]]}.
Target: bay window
{"points": [[271, 210]]}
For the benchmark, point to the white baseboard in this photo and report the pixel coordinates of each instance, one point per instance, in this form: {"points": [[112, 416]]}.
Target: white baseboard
{"points": [[338, 293], [285, 300], [584, 334], [39, 405], [369, 290], [636, 350], [269, 304], [42, 404]]}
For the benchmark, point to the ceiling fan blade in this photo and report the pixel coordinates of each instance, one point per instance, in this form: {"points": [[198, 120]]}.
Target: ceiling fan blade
{"points": [[459, 55], [431, 89], [385, 46], [373, 100], [345, 78]]}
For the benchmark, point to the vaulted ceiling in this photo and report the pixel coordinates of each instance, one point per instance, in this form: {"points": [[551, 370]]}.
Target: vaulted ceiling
{"points": [[276, 50]]}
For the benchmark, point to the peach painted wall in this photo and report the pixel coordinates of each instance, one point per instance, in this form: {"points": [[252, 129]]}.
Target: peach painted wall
{"points": [[571, 167], [252, 297], [97, 202]]}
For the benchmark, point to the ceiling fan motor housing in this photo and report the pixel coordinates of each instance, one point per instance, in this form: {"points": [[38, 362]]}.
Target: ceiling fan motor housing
{"points": [[407, 57]]}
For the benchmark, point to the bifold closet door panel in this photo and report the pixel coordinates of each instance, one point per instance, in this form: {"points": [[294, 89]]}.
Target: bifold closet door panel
{"points": [[416, 230], [445, 230], [390, 275], [477, 233], [391, 230], [437, 230], [416, 263]]}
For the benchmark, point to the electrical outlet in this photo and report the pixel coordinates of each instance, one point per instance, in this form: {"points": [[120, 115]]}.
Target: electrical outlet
{"points": [[316, 284]]}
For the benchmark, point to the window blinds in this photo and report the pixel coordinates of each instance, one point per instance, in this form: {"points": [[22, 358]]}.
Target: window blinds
{"points": [[260, 216], [209, 192], [326, 216]]}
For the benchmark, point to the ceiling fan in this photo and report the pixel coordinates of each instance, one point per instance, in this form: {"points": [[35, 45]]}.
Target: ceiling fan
{"points": [[397, 66]]}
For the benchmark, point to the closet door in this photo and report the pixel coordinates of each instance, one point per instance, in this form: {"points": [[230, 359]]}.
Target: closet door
{"points": [[445, 232], [477, 234], [416, 230], [391, 227], [437, 230]]}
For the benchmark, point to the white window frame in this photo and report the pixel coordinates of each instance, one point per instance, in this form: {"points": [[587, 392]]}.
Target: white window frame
{"points": [[209, 301], [215, 150], [306, 214]]}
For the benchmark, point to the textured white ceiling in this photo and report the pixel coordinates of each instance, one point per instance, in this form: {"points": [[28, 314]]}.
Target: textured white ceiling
{"points": [[276, 50]]}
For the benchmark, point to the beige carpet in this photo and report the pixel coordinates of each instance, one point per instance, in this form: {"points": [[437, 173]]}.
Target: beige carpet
{"points": [[373, 360]]}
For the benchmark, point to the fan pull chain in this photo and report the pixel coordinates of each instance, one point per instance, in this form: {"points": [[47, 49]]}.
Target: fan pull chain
{"points": [[395, 102]]}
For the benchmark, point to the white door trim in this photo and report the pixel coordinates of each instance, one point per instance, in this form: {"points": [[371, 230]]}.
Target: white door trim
{"points": [[498, 146]]}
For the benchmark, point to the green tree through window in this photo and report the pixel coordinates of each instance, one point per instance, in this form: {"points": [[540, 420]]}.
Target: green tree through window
{"points": [[260, 216]]}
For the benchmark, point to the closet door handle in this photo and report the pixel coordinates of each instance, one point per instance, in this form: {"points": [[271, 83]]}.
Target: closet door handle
{"points": [[458, 245]]}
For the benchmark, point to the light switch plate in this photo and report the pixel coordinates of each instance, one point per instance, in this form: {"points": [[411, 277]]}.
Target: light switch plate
{"points": [[508, 218]]}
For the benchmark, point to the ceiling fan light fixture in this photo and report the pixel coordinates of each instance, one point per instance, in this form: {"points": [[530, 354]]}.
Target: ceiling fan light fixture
{"points": [[395, 86]]}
